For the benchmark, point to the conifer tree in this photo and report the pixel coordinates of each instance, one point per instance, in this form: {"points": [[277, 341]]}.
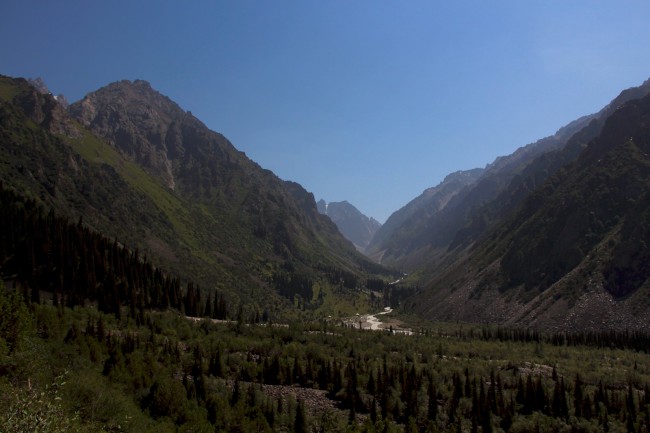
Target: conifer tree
{"points": [[559, 406], [432, 405], [577, 397], [629, 401], [207, 309], [300, 423]]}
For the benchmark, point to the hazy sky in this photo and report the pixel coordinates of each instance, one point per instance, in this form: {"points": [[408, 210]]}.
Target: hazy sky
{"points": [[365, 101]]}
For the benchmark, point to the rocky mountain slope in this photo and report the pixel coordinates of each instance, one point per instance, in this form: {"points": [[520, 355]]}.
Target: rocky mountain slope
{"points": [[574, 252], [355, 226], [135, 166]]}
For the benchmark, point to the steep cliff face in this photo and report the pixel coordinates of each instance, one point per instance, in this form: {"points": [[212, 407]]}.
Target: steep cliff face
{"points": [[144, 125], [45, 109], [174, 146]]}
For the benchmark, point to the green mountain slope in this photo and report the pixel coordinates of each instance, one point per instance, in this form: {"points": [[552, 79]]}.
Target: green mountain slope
{"points": [[137, 167]]}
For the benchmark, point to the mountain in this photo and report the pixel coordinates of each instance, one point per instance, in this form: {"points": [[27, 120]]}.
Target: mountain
{"points": [[42, 88], [427, 244], [573, 253], [355, 226], [135, 166], [113, 351], [401, 229]]}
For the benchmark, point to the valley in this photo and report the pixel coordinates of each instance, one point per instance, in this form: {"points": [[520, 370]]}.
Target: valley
{"points": [[157, 279]]}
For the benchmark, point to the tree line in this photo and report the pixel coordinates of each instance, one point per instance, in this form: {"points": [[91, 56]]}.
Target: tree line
{"points": [[44, 253]]}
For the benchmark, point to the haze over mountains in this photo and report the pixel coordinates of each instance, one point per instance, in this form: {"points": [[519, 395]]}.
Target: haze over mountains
{"points": [[354, 225], [554, 235]]}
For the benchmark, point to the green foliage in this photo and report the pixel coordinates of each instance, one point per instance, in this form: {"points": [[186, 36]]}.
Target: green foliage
{"points": [[34, 411], [102, 316], [169, 373], [15, 322]]}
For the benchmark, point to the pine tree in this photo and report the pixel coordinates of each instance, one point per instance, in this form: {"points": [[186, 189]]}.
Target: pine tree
{"points": [[577, 397], [300, 424], [373, 411], [629, 401], [371, 387], [207, 310], [197, 374], [432, 407], [297, 374], [559, 406], [486, 423]]}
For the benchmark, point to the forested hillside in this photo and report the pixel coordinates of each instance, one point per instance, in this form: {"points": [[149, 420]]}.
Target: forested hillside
{"points": [[182, 195]]}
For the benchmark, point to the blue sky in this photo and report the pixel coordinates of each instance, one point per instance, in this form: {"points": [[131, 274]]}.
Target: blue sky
{"points": [[365, 101]]}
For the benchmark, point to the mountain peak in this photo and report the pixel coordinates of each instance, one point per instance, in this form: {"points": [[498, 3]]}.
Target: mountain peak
{"points": [[145, 126], [355, 226], [39, 85], [142, 83], [127, 92]]}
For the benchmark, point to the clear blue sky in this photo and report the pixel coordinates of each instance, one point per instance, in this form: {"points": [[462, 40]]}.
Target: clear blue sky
{"points": [[365, 101]]}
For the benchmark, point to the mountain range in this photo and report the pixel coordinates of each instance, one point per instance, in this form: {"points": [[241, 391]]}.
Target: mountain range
{"points": [[553, 236], [133, 165]]}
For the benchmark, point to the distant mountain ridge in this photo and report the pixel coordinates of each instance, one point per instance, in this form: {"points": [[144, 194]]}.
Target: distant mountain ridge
{"points": [[426, 245], [355, 226], [553, 235], [401, 227]]}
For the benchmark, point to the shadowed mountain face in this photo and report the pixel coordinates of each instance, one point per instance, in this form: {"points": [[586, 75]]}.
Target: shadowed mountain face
{"points": [[435, 228], [136, 166], [355, 226], [574, 252]]}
